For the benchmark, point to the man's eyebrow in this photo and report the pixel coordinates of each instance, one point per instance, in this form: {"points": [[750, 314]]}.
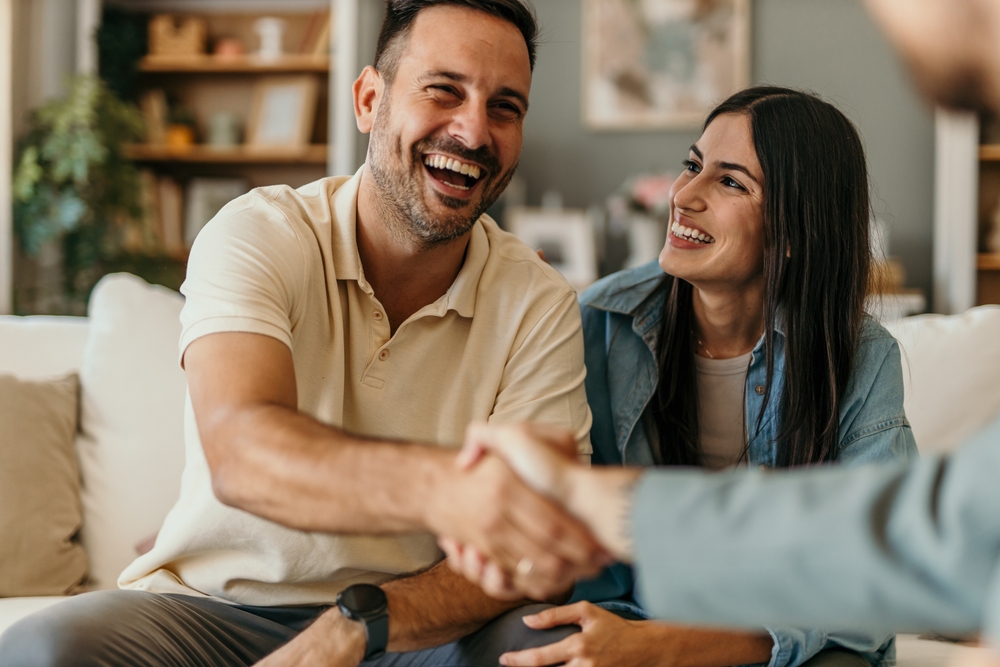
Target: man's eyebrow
{"points": [[461, 78]]}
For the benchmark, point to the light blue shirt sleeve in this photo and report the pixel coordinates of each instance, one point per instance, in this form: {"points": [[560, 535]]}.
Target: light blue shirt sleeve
{"points": [[879, 548], [873, 429]]}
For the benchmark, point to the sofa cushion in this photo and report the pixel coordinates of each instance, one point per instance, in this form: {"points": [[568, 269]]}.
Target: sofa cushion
{"points": [[951, 374], [40, 511], [41, 346], [132, 445]]}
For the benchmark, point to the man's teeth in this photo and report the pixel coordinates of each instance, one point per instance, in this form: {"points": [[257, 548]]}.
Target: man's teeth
{"points": [[442, 162], [688, 234]]}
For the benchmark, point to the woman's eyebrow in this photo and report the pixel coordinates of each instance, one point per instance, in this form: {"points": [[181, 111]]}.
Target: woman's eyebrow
{"points": [[726, 165], [737, 167]]}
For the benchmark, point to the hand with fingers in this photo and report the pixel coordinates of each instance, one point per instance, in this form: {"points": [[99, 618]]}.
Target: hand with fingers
{"points": [[511, 527], [604, 640], [545, 459]]}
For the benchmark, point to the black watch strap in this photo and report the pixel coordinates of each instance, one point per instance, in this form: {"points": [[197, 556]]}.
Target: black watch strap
{"points": [[377, 630], [367, 604]]}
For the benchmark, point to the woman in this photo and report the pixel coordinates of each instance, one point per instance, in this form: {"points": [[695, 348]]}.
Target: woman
{"points": [[747, 345]]}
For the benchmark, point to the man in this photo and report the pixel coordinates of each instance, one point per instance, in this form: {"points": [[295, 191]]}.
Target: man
{"points": [[894, 547], [324, 326]]}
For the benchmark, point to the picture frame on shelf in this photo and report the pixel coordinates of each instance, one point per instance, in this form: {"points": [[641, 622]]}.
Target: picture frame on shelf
{"points": [[565, 237], [283, 112], [661, 64]]}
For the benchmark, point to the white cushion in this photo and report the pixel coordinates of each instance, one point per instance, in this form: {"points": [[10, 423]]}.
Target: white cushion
{"points": [[37, 347], [951, 373], [13, 610], [132, 420]]}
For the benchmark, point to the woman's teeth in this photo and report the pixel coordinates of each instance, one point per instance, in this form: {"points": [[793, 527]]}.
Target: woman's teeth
{"points": [[688, 234]]}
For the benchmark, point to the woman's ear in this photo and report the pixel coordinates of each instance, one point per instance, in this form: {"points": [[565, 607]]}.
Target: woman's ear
{"points": [[368, 91]]}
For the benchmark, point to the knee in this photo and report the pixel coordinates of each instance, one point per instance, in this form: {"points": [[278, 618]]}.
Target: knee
{"points": [[38, 640], [74, 632]]}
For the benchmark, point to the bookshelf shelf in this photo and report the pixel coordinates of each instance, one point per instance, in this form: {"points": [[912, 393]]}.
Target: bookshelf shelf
{"points": [[314, 154], [243, 65], [988, 261]]}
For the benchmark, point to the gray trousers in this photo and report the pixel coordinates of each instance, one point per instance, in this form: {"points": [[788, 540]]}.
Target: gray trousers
{"points": [[134, 628]]}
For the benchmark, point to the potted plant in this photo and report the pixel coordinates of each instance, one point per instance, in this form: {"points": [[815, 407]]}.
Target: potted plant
{"points": [[75, 192]]}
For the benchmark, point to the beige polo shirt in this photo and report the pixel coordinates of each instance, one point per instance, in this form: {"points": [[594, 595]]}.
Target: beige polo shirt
{"points": [[504, 343]]}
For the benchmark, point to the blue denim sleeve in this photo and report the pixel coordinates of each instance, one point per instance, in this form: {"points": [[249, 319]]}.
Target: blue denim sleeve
{"points": [[793, 646]]}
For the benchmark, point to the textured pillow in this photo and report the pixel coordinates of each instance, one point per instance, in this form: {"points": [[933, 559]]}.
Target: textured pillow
{"points": [[132, 420], [40, 509]]}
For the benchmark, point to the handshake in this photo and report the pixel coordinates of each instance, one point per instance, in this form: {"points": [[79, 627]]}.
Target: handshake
{"points": [[525, 517]]}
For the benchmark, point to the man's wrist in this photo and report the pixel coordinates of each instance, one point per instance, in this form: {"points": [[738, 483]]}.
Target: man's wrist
{"points": [[348, 636]]}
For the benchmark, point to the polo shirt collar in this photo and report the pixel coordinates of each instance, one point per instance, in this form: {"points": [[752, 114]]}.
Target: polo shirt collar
{"points": [[460, 297]]}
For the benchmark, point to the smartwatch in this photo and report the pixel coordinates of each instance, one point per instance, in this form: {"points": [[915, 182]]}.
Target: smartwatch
{"points": [[367, 603]]}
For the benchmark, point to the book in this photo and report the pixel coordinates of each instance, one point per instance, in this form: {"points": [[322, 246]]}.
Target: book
{"points": [[205, 198], [153, 104], [171, 207]]}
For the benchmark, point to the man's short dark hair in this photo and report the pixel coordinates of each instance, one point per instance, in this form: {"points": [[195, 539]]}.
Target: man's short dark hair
{"points": [[400, 15]]}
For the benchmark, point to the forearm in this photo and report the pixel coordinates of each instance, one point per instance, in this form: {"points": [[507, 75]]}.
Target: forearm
{"points": [[895, 548], [436, 607], [696, 647], [287, 467]]}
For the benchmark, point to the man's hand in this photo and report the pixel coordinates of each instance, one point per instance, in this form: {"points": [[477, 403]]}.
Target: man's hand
{"points": [[331, 641], [489, 507], [543, 457]]}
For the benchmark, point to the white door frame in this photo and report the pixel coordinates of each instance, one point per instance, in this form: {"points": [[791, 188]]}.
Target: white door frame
{"points": [[956, 205], [6, 157]]}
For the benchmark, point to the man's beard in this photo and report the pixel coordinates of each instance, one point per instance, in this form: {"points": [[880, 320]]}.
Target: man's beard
{"points": [[401, 194]]}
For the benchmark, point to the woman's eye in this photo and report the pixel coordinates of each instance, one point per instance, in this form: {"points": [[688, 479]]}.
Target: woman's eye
{"points": [[730, 183], [691, 165]]}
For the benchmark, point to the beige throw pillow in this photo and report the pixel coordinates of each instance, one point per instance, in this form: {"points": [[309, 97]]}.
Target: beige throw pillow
{"points": [[40, 510]]}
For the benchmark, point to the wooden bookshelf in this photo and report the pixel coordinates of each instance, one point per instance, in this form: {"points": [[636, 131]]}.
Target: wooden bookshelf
{"points": [[988, 261], [314, 154], [208, 64]]}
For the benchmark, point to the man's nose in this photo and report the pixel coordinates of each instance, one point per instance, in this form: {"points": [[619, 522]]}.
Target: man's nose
{"points": [[471, 125]]}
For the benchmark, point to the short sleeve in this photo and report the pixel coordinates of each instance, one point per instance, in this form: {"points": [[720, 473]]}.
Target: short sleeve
{"points": [[245, 273], [544, 378]]}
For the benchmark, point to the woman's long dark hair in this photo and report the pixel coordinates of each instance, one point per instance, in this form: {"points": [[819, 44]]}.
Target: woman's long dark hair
{"points": [[817, 265]]}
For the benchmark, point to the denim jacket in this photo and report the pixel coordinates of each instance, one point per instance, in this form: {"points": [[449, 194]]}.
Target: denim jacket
{"points": [[621, 326]]}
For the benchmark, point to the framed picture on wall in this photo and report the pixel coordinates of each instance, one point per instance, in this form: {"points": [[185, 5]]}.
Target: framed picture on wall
{"points": [[565, 236], [283, 112], [661, 64]]}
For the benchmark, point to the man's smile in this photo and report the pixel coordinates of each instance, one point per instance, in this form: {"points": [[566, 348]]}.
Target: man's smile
{"points": [[452, 172]]}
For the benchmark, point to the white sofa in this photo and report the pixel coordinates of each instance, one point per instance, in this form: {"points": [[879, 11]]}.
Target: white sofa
{"points": [[131, 441]]}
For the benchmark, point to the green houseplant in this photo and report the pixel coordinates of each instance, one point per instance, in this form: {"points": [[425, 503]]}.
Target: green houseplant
{"points": [[74, 188]]}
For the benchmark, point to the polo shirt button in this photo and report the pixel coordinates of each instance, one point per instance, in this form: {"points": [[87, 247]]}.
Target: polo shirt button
{"points": [[377, 315], [763, 467], [383, 355], [759, 389]]}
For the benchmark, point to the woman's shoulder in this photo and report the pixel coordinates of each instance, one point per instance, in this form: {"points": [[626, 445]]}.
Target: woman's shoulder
{"points": [[624, 291], [875, 340]]}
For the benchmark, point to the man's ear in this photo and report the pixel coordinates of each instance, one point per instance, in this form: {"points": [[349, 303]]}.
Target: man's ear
{"points": [[368, 91]]}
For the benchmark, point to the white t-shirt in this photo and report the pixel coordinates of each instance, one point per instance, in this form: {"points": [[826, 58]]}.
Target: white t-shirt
{"points": [[721, 433], [503, 344]]}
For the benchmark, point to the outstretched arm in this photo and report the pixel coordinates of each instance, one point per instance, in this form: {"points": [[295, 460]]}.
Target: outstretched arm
{"points": [[269, 459], [894, 547]]}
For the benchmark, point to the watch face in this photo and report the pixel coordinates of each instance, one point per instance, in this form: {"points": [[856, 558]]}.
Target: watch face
{"points": [[363, 599]]}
